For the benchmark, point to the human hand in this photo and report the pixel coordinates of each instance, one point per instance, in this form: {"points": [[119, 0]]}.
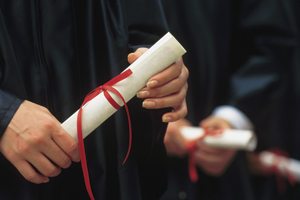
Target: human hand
{"points": [[214, 161], [174, 141], [34, 137], [165, 89]]}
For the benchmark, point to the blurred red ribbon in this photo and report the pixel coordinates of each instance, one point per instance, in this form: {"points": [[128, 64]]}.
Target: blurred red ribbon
{"points": [[280, 173], [192, 147], [104, 88]]}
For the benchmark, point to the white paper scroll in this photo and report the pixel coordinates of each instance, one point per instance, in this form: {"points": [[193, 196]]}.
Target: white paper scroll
{"points": [[230, 138], [161, 55], [285, 165]]}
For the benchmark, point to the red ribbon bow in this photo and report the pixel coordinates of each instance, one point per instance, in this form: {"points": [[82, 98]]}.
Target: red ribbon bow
{"points": [[192, 147], [90, 96]]}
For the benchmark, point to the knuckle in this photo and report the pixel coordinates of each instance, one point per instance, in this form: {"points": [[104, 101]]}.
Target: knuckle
{"points": [[48, 124], [162, 103], [177, 84], [65, 162], [20, 150], [73, 148], [184, 113], [52, 171], [177, 68], [181, 97], [44, 109], [141, 50], [7, 152], [156, 91], [32, 177], [35, 140], [186, 71]]}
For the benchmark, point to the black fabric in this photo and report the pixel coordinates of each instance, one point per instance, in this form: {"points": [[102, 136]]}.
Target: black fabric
{"points": [[289, 137], [53, 53], [258, 88], [239, 53], [9, 106]]}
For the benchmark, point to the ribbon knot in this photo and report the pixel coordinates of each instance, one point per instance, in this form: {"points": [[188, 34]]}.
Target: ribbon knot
{"points": [[104, 88], [192, 147]]}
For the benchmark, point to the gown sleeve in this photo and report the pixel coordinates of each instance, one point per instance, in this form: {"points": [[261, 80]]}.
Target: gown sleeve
{"points": [[9, 83], [263, 45]]}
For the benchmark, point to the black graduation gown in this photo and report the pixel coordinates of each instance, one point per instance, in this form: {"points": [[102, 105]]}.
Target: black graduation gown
{"points": [[233, 48], [53, 53], [288, 139]]}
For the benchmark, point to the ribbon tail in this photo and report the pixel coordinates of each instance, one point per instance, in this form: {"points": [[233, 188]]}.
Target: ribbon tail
{"points": [[89, 97], [82, 155], [192, 167], [130, 134], [116, 106]]}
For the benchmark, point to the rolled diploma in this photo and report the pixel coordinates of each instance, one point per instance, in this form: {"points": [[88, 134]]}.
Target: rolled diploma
{"points": [[161, 55], [230, 138], [285, 164]]}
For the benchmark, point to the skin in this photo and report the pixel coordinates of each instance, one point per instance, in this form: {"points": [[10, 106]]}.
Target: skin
{"points": [[171, 84], [212, 161], [34, 137]]}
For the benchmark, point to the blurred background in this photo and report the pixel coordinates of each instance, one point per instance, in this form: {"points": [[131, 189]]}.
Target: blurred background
{"points": [[242, 55]]}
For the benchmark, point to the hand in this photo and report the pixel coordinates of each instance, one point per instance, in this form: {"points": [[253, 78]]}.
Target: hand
{"points": [[35, 138], [214, 161], [165, 89], [174, 141]]}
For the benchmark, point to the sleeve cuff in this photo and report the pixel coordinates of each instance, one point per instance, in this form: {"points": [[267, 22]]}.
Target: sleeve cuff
{"points": [[235, 117], [8, 106]]}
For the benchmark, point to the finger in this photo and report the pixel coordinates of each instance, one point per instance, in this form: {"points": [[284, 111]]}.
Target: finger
{"points": [[209, 122], [215, 122], [201, 156], [214, 150], [134, 56], [207, 149], [44, 165], [173, 149], [212, 169], [28, 172], [65, 141], [165, 76], [57, 155], [172, 100], [214, 158], [178, 113], [168, 88], [214, 165]]}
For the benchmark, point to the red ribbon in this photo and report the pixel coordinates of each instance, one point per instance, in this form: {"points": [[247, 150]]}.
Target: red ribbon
{"points": [[90, 96], [192, 147], [278, 173]]}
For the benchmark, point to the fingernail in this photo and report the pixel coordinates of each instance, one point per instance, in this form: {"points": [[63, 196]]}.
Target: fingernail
{"points": [[143, 94], [152, 84], [148, 104], [167, 119]]}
